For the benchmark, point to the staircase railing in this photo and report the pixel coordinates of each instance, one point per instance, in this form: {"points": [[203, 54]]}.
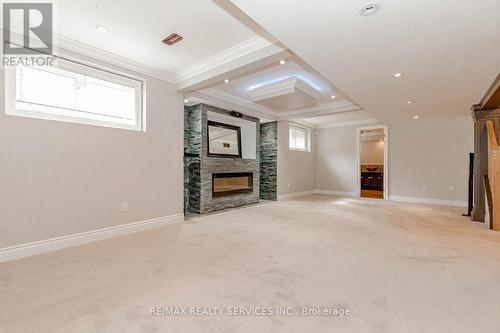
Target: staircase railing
{"points": [[494, 175]]}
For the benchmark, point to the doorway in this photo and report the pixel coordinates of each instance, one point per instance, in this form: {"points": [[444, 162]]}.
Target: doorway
{"points": [[371, 169]]}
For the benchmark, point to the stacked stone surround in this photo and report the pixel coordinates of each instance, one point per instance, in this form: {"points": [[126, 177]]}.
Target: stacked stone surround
{"points": [[198, 167], [269, 161], [192, 159]]}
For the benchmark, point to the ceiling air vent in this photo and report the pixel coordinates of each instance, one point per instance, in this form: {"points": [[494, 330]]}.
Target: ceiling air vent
{"points": [[172, 39]]}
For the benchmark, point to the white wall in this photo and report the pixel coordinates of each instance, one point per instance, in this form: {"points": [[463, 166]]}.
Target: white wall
{"points": [[372, 152], [61, 178], [431, 154], [295, 168]]}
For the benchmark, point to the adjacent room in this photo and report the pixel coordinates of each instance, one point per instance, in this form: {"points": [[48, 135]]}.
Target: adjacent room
{"points": [[371, 162], [250, 166]]}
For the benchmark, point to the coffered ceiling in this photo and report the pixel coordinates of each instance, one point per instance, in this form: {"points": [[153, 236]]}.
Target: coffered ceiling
{"points": [[271, 76], [220, 43], [447, 52], [286, 89]]}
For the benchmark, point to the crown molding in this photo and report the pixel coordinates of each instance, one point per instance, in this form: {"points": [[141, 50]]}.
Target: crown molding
{"points": [[253, 50], [64, 46], [307, 89], [231, 63], [228, 101], [72, 45], [238, 100], [221, 60], [246, 48], [349, 123], [225, 100], [283, 87], [303, 122], [240, 50], [320, 110]]}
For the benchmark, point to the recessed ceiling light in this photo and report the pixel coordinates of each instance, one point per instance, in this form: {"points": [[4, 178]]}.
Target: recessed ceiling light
{"points": [[282, 62], [226, 80], [101, 28], [416, 117], [409, 102], [398, 74], [333, 96], [185, 100], [369, 9]]}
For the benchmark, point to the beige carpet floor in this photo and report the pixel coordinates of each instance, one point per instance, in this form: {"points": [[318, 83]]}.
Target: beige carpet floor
{"points": [[396, 267]]}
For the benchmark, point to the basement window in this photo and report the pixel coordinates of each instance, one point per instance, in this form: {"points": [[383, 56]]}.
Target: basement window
{"points": [[74, 92], [299, 138]]}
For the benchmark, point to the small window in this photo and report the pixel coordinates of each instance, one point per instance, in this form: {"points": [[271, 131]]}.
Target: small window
{"points": [[74, 93], [299, 138]]}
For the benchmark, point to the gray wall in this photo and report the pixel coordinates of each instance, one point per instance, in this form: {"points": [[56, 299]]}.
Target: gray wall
{"points": [[295, 168], [434, 153], [336, 159], [431, 153], [61, 178]]}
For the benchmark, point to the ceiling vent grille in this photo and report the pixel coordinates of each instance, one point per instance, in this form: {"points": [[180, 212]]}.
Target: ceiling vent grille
{"points": [[172, 39]]}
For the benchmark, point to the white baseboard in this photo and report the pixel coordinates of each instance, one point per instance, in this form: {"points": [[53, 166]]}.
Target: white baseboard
{"points": [[428, 201], [294, 195], [48, 245], [336, 193]]}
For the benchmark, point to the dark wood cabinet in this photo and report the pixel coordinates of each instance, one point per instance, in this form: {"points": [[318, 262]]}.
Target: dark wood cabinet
{"points": [[372, 180]]}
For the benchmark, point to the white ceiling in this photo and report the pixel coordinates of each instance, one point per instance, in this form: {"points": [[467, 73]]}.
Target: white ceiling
{"points": [[136, 29], [449, 50]]}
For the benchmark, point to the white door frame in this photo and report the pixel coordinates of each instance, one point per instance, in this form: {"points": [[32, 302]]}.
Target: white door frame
{"points": [[386, 159]]}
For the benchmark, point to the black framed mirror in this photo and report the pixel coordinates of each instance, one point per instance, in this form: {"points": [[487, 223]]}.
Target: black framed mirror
{"points": [[223, 140]]}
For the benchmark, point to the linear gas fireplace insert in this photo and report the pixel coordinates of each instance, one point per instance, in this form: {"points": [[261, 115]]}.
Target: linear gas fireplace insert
{"points": [[224, 184]]}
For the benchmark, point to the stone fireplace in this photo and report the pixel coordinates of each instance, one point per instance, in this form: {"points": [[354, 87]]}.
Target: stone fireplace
{"points": [[219, 181]]}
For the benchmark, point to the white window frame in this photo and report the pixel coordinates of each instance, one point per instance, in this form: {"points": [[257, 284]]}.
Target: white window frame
{"points": [[83, 69], [308, 138]]}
